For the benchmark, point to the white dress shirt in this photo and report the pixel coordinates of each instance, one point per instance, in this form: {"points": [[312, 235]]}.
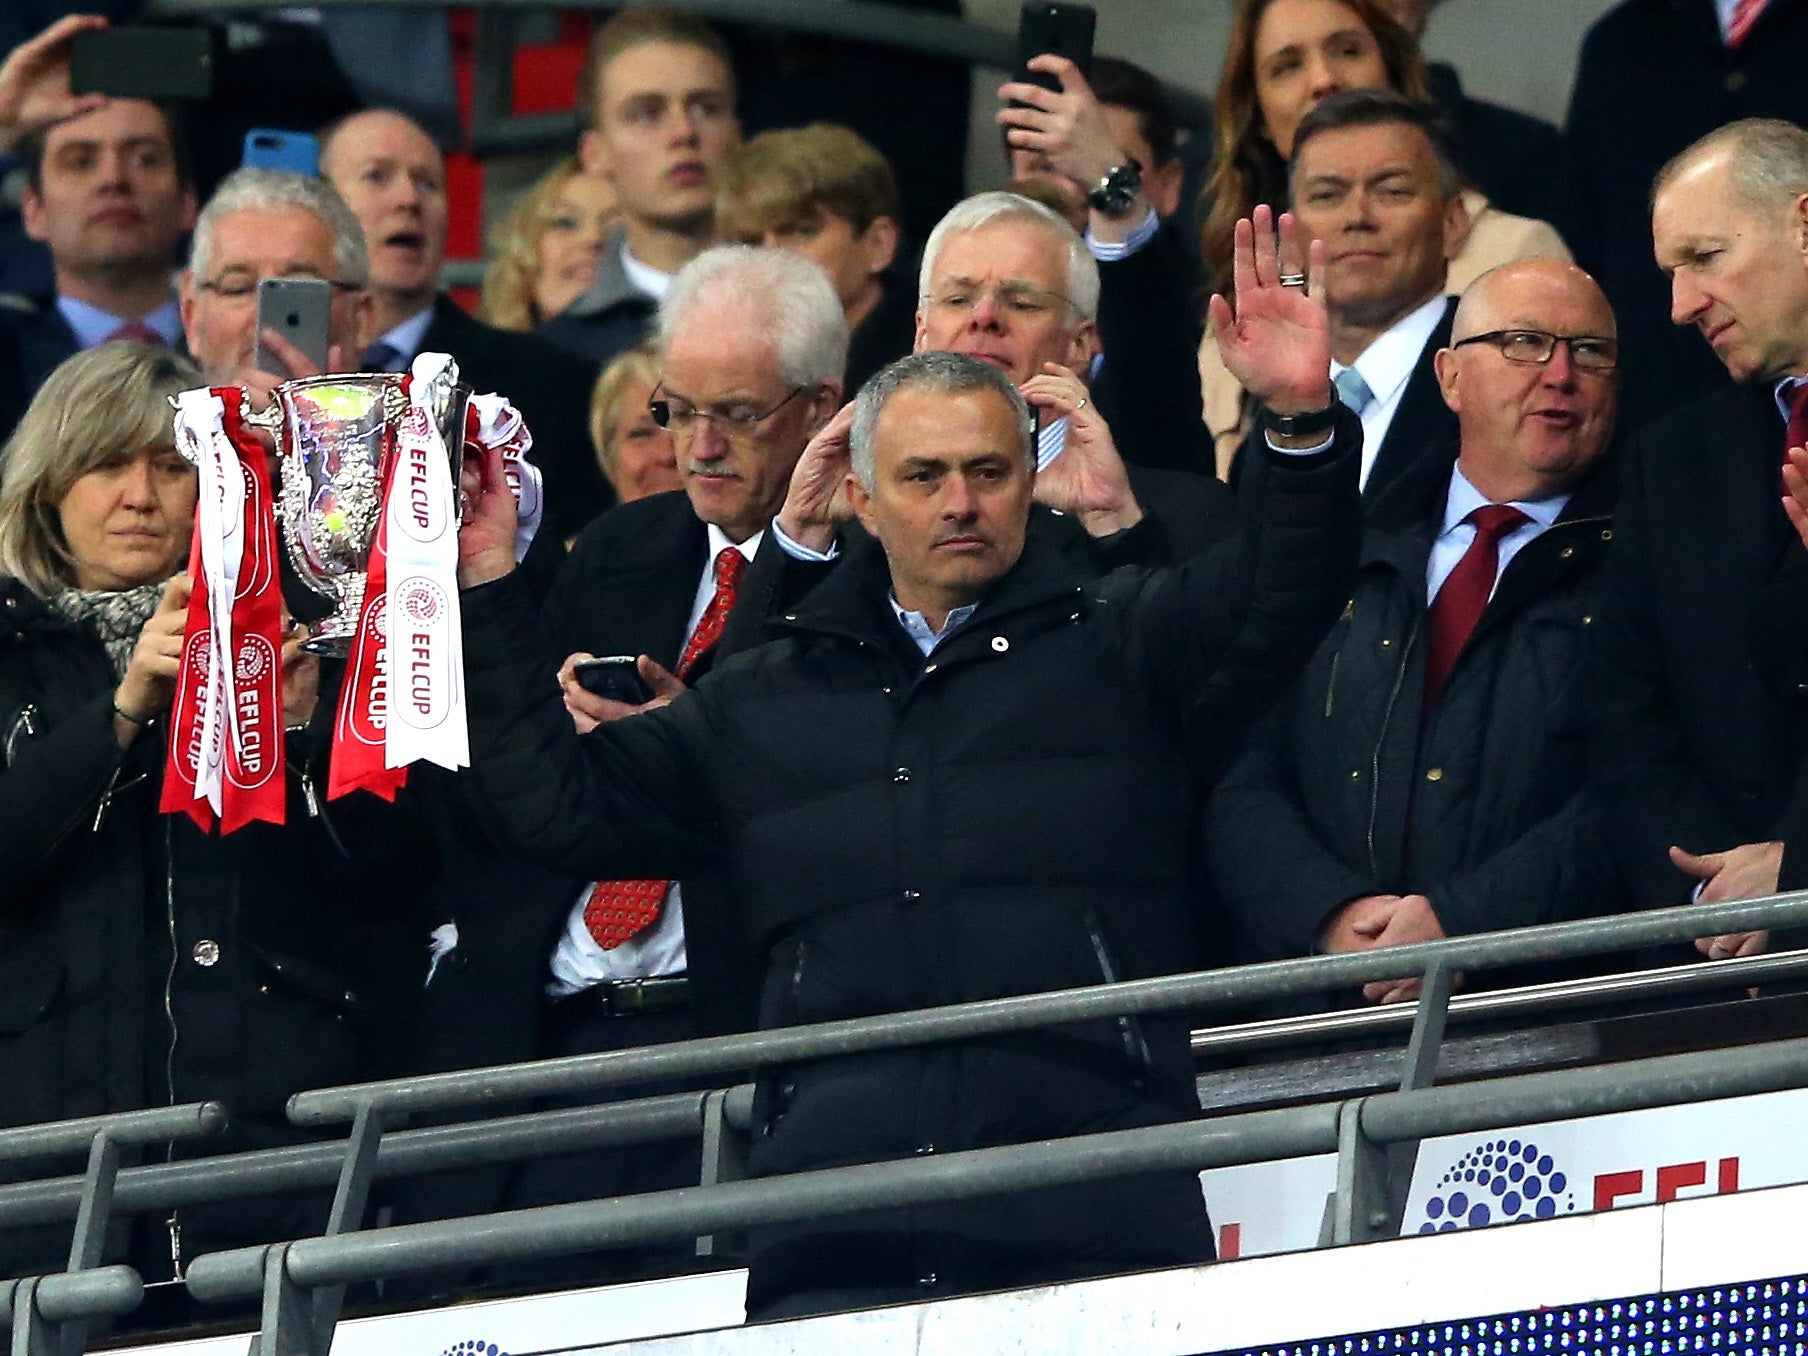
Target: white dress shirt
{"points": [[1786, 390], [644, 276], [1387, 365], [1456, 536], [578, 962], [91, 325]]}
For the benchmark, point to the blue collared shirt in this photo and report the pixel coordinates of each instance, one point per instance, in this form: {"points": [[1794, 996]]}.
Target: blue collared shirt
{"points": [[92, 325], [1785, 392], [917, 627], [406, 338], [1456, 535]]}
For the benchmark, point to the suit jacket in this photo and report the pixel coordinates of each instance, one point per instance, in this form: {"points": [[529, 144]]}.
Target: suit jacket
{"points": [[1700, 718], [34, 341], [1505, 153], [551, 387], [1653, 76]]}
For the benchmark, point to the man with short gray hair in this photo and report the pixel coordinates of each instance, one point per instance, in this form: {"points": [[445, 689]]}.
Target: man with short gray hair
{"points": [[958, 773], [753, 342], [262, 224], [1700, 727]]}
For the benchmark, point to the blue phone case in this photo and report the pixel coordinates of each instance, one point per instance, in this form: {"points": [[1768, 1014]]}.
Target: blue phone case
{"points": [[266, 148]]}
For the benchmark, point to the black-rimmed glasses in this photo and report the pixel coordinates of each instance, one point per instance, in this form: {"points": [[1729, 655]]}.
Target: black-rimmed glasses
{"points": [[1534, 348]]}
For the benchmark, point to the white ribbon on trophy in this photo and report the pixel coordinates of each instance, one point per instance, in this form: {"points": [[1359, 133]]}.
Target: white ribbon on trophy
{"points": [[426, 717]]}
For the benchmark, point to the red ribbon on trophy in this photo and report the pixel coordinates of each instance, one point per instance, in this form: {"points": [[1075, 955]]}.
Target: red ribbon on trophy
{"points": [[360, 728], [225, 754]]}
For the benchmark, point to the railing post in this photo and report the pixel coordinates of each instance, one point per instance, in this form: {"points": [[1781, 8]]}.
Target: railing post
{"points": [[33, 1335], [727, 1116], [349, 1199], [288, 1322]]}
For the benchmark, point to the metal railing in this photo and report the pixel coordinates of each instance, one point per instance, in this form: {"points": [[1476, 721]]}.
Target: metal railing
{"points": [[1375, 1136]]}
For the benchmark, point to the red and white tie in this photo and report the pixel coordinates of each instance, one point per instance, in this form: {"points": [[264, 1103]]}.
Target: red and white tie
{"points": [[1745, 14]]}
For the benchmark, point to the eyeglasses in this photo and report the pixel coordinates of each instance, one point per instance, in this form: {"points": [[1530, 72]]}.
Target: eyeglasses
{"points": [[1018, 299], [732, 421], [242, 289], [1534, 348]]}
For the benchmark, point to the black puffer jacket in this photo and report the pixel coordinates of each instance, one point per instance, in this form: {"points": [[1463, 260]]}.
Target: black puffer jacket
{"points": [[1483, 810], [1006, 816], [143, 962]]}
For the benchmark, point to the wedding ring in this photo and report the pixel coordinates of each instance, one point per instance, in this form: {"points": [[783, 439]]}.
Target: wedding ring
{"points": [[1081, 405], [1293, 280]]}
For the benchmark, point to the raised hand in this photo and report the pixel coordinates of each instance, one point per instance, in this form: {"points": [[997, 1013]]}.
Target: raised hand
{"points": [[300, 675], [1088, 478], [150, 679], [1277, 340], [817, 502], [34, 82]]}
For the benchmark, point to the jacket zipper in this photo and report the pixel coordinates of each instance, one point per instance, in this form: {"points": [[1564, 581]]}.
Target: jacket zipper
{"points": [[1387, 718], [1135, 1047], [22, 724], [174, 1222]]}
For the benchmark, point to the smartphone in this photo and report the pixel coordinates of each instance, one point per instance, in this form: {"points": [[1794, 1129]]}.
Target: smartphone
{"points": [[298, 309], [266, 148], [615, 676], [1056, 27], [143, 63]]}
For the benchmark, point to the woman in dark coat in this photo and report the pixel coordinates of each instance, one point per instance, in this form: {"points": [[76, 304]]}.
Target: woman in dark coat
{"points": [[142, 961]]}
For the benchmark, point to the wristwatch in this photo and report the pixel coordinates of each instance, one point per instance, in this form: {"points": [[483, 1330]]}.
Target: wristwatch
{"points": [[1118, 189], [1300, 425]]}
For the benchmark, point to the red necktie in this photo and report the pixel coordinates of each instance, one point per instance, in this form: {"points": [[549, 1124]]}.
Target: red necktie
{"points": [[1798, 417], [137, 333], [1460, 602], [1745, 14], [617, 909]]}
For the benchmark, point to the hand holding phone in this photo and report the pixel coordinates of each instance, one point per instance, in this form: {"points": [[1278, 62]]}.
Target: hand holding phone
{"points": [[34, 81], [601, 690], [143, 63], [616, 677], [268, 148], [300, 311], [1057, 28]]}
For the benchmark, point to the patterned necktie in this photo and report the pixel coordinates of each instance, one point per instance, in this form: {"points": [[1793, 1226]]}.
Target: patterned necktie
{"points": [[1459, 604], [618, 909], [1745, 14], [1353, 390], [138, 333], [1797, 435]]}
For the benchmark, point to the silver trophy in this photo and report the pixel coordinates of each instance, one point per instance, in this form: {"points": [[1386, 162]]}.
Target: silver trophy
{"points": [[334, 436]]}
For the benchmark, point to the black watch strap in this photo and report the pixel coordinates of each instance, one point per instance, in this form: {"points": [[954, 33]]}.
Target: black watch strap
{"points": [[1300, 425]]}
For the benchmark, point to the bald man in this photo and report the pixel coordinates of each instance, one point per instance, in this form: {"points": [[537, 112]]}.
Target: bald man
{"points": [[394, 178], [1425, 778]]}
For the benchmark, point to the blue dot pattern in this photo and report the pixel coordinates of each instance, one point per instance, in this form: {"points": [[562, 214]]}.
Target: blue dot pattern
{"points": [[1503, 1181], [1751, 1318], [474, 1347]]}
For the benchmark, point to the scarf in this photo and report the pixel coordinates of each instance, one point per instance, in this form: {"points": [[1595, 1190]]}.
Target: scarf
{"points": [[116, 616]]}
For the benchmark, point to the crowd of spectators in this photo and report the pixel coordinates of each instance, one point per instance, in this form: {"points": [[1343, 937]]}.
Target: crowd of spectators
{"points": [[1307, 535]]}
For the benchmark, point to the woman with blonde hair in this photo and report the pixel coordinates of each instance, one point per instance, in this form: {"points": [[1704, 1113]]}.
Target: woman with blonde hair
{"points": [[547, 247], [636, 454]]}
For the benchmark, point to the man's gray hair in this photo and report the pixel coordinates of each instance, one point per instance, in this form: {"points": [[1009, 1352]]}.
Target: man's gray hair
{"points": [[787, 296], [268, 190], [982, 209], [947, 373], [1768, 158]]}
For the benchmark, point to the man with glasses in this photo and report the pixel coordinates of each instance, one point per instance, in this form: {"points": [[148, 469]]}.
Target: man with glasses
{"points": [[272, 224], [1425, 779], [754, 342]]}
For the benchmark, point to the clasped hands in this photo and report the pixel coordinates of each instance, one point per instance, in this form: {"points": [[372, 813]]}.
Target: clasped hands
{"points": [[1376, 921]]}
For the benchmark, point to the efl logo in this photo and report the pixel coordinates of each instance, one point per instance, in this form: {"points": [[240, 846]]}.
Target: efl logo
{"points": [[1504, 1180], [478, 1347]]}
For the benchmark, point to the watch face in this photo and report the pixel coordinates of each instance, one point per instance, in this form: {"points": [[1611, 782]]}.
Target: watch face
{"points": [[1118, 188]]}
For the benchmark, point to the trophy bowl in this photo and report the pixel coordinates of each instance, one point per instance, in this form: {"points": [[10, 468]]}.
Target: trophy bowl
{"points": [[335, 438]]}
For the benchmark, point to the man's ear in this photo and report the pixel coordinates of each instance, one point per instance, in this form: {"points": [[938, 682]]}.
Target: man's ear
{"points": [[593, 154], [1445, 363], [1082, 347], [879, 244], [861, 502], [190, 209], [185, 299], [1457, 225], [1798, 212], [33, 215]]}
